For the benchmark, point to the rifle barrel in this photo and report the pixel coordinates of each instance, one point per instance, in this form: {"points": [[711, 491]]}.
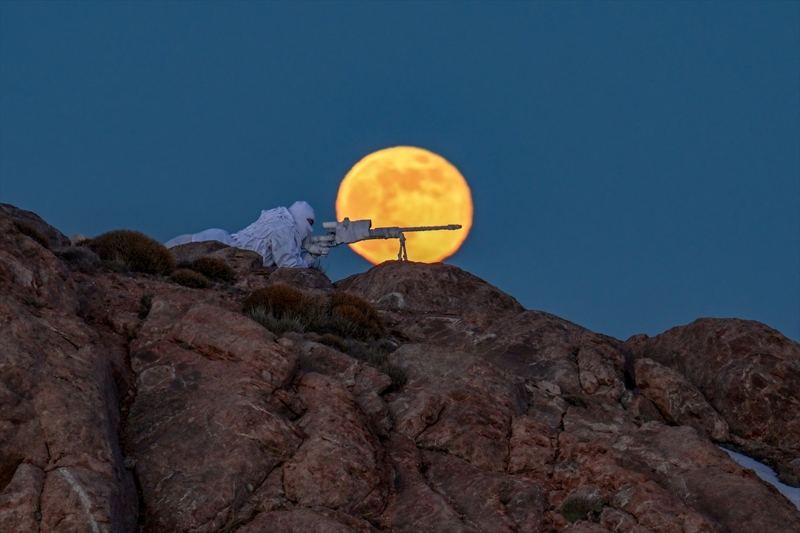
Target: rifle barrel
{"points": [[432, 228]]}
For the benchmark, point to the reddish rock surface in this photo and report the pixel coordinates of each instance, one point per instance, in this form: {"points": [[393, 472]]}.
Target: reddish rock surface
{"points": [[129, 403], [749, 373]]}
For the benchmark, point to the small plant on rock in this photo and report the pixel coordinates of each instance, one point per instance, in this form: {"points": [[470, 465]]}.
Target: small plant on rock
{"points": [[190, 278], [581, 507], [214, 268], [278, 299], [135, 250], [334, 341], [346, 322], [277, 325], [145, 304], [355, 317]]}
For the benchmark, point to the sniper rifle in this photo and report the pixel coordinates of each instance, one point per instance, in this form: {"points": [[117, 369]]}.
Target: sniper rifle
{"points": [[350, 231]]}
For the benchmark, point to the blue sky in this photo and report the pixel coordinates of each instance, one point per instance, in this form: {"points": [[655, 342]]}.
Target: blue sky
{"points": [[634, 165]]}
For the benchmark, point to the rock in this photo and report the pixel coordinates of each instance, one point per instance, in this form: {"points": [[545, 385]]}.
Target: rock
{"points": [[434, 288], [55, 238], [340, 465], [495, 502], [19, 501], [678, 400], [302, 278], [243, 262], [475, 404], [415, 506], [59, 407], [510, 420], [748, 372], [201, 428], [295, 521]]}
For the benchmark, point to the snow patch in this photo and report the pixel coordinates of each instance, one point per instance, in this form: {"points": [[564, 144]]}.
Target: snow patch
{"points": [[768, 475]]}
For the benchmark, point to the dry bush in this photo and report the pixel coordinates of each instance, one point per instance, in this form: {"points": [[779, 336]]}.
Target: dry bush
{"points": [[343, 315], [190, 278], [136, 250], [347, 323], [30, 231], [81, 258], [214, 268], [396, 374], [355, 317], [581, 507], [278, 299], [334, 341], [278, 326], [145, 304]]}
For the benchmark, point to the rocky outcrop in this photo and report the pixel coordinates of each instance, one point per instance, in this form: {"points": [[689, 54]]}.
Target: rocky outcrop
{"points": [[130, 403], [61, 463], [678, 400], [749, 373]]}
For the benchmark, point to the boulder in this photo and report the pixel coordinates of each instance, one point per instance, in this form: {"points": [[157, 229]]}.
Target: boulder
{"points": [[749, 373], [55, 239], [678, 400]]}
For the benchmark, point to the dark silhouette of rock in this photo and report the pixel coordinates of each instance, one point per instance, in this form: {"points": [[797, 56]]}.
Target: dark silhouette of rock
{"points": [[129, 403], [55, 238]]}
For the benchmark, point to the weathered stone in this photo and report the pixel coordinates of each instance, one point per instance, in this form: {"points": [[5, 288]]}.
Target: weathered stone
{"points": [[420, 287], [531, 447], [511, 420], [56, 238], [678, 400], [748, 372], [497, 503], [59, 407], [19, 500], [415, 506], [201, 428], [340, 465]]}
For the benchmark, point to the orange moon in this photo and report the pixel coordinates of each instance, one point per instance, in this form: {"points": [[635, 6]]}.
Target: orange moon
{"points": [[407, 186]]}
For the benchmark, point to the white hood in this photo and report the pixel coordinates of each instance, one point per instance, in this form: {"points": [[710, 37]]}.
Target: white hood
{"points": [[301, 211]]}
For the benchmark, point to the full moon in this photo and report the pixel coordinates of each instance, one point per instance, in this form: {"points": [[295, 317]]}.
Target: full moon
{"points": [[407, 186]]}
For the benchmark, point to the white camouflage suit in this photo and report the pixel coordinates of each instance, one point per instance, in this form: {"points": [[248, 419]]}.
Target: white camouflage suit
{"points": [[277, 236]]}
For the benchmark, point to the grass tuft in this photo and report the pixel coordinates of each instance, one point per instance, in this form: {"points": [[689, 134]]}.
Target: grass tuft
{"points": [[581, 507], [278, 299], [145, 304], [346, 323], [134, 249], [80, 257], [355, 317], [214, 268], [190, 278]]}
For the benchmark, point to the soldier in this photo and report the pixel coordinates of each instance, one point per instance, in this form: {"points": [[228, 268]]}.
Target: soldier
{"points": [[277, 236]]}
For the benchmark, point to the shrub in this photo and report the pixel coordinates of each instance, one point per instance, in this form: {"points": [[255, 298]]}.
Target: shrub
{"points": [[334, 341], [581, 507], [278, 326], [347, 323], [30, 231], [145, 304], [214, 268], [278, 299], [355, 317], [136, 250], [82, 258], [190, 278], [396, 374]]}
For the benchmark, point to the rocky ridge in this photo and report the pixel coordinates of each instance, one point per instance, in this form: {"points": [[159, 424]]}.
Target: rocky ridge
{"points": [[130, 403]]}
